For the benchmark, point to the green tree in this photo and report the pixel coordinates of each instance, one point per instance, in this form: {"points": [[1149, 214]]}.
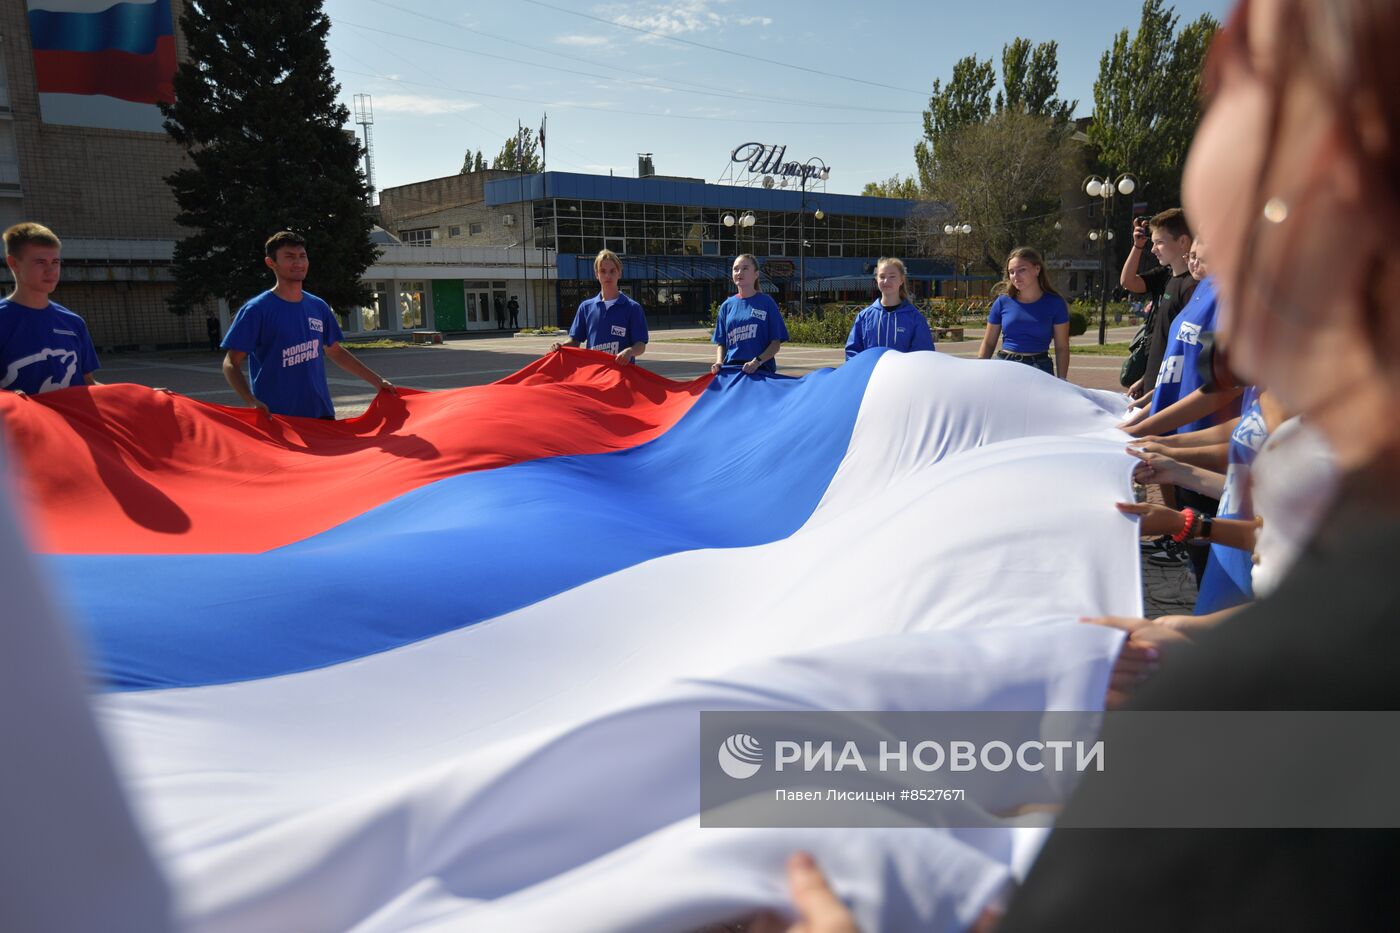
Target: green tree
{"points": [[255, 109], [893, 187], [1146, 100], [473, 163], [521, 153], [1030, 80], [999, 163], [966, 99], [1003, 176]]}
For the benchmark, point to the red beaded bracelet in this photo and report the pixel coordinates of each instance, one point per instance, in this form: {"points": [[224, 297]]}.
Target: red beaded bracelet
{"points": [[1190, 515]]}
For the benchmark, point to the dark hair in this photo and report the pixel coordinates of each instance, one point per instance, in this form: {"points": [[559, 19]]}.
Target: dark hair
{"points": [[1173, 221], [280, 239], [1033, 257]]}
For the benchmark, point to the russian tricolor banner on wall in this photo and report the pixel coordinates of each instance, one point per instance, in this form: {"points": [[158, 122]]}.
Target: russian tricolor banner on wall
{"points": [[103, 64]]}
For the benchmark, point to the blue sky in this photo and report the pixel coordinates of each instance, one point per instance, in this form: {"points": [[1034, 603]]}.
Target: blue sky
{"points": [[843, 81]]}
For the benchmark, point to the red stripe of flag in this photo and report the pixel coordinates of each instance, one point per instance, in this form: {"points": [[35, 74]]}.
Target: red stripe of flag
{"points": [[142, 79], [120, 469]]}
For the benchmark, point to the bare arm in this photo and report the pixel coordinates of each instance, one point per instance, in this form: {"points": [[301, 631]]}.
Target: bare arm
{"points": [[1061, 350], [769, 352], [1162, 469], [233, 375], [351, 364], [989, 341], [1129, 278], [557, 345], [88, 378], [628, 354], [1191, 408]]}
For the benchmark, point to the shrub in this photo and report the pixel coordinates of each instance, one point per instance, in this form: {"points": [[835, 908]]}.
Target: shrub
{"points": [[1078, 321]]}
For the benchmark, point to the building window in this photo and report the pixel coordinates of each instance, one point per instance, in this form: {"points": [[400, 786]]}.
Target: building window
{"points": [[372, 315], [411, 303], [474, 229], [454, 232], [423, 236]]}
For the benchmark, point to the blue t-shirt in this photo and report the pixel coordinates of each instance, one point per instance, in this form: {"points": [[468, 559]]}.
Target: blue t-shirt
{"points": [[1177, 377], [903, 328], [610, 329], [1227, 579], [746, 326], [284, 341], [1028, 328], [43, 348]]}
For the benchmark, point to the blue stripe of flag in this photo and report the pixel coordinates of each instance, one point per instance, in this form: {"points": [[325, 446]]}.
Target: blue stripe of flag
{"points": [[747, 465], [124, 27]]}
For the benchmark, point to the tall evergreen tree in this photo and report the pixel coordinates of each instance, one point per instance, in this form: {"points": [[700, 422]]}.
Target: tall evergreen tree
{"points": [[255, 108], [521, 153], [1147, 100]]}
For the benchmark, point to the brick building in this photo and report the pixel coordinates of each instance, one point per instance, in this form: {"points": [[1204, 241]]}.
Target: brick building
{"points": [[101, 189]]}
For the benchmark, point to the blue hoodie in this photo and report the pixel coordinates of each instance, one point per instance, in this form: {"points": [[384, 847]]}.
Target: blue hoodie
{"points": [[903, 329]]}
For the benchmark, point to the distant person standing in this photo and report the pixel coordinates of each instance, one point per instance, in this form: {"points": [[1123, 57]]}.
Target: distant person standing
{"points": [[283, 332], [1029, 317], [211, 327], [514, 308], [43, 346], [892, 320], [500, 314], [749, 329], [610, 321]]}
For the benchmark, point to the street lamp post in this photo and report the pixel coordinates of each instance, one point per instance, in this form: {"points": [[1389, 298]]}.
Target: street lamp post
{"points": [[1106, 188], [802, 234], [956, 230], [747, 219]]}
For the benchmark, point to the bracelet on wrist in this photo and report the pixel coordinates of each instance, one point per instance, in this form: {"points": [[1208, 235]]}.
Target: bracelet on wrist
{"points": [[1189, 517]]}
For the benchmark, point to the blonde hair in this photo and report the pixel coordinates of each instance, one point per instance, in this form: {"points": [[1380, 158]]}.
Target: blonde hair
{"points": [[29, 234], [903, 274], [607, 255], [1033, 257]]}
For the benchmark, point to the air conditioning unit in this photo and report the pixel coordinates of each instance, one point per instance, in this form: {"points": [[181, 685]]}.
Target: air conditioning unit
{"points": [[508, 220]]}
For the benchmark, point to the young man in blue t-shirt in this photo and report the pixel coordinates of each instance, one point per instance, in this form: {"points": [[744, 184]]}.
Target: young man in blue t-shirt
{"points": [[610, 321], [284, 332], [43, 346]]}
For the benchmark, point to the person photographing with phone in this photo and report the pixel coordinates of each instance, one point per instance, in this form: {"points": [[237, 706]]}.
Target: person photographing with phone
{"points": [[1168, 237]]}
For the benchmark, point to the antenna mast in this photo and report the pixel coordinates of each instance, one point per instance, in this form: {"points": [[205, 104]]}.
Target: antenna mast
{"points": [[364, 115]]}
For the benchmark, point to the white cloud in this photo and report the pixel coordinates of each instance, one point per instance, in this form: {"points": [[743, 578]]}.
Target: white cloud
{"points": [[678, 17], [584, 42], [419, 105]]}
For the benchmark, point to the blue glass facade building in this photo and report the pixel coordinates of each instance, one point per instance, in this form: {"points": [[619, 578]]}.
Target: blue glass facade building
{"points": [[677, 250]]}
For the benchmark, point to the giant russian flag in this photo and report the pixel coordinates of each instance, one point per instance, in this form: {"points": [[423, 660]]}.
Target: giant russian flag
{"points": [[440, 666], [103, 64]]}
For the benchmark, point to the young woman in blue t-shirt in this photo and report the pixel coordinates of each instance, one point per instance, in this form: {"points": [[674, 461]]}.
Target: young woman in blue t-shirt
{"points": [[1030, 315], [749, 329]]}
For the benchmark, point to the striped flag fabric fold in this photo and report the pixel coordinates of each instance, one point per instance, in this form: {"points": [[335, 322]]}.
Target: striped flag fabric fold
{"points": [[448, 674]]}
